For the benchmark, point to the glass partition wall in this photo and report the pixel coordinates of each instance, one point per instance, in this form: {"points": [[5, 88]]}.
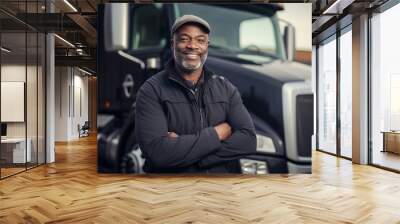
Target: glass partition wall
{"points": [[13, 91], [22, 88], [327, 95], [334, 95], [345, 92]]}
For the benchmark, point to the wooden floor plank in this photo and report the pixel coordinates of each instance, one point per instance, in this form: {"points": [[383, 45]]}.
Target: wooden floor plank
{"points": [[71, 191]]}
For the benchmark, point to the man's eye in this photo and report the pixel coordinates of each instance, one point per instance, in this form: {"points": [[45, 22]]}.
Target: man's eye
{"points": [[201, 41]]}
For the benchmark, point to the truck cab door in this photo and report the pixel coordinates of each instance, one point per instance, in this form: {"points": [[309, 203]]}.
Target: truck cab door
{"points": [[132, 41], [149, 39]]}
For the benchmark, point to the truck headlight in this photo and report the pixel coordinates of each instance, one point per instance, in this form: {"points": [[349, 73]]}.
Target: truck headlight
{"points": [[265, 144]]}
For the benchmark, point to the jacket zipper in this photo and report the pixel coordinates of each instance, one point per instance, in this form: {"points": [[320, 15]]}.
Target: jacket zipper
{"points": [[196, 102], [197, 105]]}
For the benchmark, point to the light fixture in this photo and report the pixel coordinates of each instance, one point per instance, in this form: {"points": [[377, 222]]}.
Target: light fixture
{"points": [[5, 50], [84, 71], [64, 40], [70, 5], [337, 7]]}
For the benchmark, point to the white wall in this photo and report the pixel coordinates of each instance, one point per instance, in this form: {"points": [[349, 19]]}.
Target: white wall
{"points": [[70, 83], [80, 84], [33, 126], [61, 103], [299, 15], [12, 101], [12, 73]]}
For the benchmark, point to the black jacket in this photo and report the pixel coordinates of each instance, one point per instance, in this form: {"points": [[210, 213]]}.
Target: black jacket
{"points": [[164, 103]]}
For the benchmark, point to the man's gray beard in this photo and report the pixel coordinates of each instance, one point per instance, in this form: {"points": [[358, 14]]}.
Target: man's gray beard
{"points": [[187, 68]]}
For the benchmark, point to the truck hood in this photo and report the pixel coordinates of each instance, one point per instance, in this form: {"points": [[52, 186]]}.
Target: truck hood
{"points": [[276, 71], [283, 71]]}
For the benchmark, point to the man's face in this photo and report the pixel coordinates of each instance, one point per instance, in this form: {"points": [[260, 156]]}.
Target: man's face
{"points": [[190, 47]]}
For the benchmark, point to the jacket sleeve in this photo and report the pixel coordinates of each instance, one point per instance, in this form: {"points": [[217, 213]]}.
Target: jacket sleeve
{"points": [[243, 139], [151, 131]]}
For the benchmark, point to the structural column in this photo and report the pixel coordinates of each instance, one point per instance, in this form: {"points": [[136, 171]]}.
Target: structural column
{"points": [[360, 90], [50, 92]]}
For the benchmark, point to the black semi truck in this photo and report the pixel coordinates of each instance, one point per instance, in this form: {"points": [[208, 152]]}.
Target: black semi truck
{"points": [[248, 45]]}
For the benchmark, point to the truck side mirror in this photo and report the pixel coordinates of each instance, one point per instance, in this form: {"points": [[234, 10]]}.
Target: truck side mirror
{"points": [[289, 40], [116, 26]]}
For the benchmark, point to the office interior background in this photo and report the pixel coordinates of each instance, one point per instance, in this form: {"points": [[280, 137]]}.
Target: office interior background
{"points": [[357, 84], [48, 88], [48, 82]]}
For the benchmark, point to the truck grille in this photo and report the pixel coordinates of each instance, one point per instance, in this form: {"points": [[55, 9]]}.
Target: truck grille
{"points": [[304, 123]]}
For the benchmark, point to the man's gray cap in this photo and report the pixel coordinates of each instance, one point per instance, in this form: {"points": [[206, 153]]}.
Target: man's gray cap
{"points": [[189, 19]]}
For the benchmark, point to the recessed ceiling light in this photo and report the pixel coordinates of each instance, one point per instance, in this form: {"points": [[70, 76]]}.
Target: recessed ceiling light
{"points": [[5, 50], [84, 71], [64, 40], [337, 7], [70, 5]]}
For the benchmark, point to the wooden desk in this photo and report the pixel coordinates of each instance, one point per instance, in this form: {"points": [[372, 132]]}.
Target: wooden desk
{"points": [[391, 141]]}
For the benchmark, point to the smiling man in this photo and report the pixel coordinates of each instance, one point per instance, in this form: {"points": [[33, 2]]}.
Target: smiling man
{"points": [[188, 119]]}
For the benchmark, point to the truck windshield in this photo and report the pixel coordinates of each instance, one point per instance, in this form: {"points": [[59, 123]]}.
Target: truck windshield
{"points": [[239, 33]]}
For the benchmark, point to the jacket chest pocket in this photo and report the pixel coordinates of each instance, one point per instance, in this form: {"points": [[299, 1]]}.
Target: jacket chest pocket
{"points": [[216, 109], [180, 116]]}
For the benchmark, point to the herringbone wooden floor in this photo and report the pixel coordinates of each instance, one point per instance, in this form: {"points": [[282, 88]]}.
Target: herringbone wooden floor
{"points": [[71, 191]]}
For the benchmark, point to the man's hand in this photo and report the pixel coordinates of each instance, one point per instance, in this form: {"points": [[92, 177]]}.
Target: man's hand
{"points": [[172, 134], [223, 130]]}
